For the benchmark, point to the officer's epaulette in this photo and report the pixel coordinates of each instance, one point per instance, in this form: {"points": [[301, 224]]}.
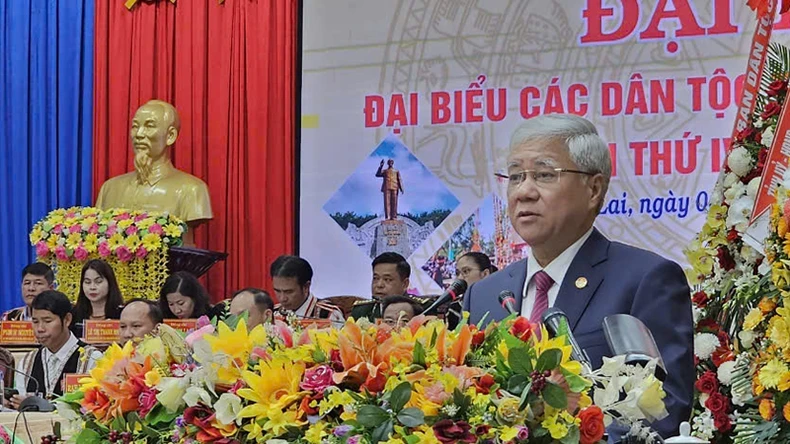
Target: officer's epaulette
{"points": [[365, 302], [421, 300]]}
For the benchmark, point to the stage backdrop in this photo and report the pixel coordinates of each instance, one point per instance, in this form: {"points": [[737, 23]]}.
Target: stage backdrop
{"points": [[438, 86]]}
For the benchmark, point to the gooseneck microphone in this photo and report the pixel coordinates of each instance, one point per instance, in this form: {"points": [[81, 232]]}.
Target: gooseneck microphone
{"points": [[453, 292], [508, 301], [553, 318], [33, 403]]}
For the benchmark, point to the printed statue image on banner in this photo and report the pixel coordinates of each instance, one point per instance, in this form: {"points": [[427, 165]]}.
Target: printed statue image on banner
{"points": [[391, 202]]}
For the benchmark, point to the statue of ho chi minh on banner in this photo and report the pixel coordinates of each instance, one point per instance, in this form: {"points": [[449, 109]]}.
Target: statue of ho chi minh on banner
{"points": [[155, 184]]}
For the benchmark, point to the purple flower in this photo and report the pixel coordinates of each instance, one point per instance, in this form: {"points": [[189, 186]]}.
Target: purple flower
{"points": [[341, 430], [523, 433], [180, 421], [354, 439]]}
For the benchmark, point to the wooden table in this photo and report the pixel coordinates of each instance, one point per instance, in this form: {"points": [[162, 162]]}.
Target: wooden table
{"points": [[39, 424]]}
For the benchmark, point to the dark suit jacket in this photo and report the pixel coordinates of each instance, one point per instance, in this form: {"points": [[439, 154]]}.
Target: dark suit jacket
{"points": [[620, 279]]}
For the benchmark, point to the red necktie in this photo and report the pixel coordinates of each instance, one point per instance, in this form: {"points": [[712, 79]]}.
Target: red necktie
{"points": [[542, 284]]}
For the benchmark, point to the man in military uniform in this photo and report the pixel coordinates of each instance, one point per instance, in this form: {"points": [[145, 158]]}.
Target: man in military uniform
{"points": [[390, 277], [391, 184], [291, 279]]}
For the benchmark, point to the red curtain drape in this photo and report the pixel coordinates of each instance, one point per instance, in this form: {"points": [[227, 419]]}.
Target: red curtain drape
{"points": [[230, 70]]}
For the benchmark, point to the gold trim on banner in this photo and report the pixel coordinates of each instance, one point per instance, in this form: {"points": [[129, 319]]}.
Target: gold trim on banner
{"points": [[130, 3]]}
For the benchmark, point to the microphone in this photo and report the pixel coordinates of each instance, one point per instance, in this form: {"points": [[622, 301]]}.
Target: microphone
{"points": [[33, 403], [508, 301], [553, 318], [453, 292], [627, 335]]}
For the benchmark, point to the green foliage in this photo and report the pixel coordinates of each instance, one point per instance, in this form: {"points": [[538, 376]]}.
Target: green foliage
{"points": [[418, 356], [349, 217], [371, 416], [400, 396], [549, 359], [520, 361], [554, 396]]}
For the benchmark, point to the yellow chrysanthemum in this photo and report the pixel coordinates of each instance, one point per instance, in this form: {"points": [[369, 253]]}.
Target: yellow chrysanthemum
{"points": [[145, 223], [556, 428], [508, 433], [73, 240], [132, 242], [91, 242], [115, 241], [779, 331], [426, 437], [173, 230], [55, 219], [770, 375], [752, 319], [152, 241], [125, 223], [334, 399], [37, 234]]}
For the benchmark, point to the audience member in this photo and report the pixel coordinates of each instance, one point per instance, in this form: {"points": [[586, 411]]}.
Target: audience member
{"points": [[398, 310], [99, 297], [391, 275], [36, 277], [473, 267], [60, 351], [183, 297], [256, 302], [140, 317], [291, 279]]}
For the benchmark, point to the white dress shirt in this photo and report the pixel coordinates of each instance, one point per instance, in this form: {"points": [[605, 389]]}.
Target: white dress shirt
{"points": [[557, 270]]}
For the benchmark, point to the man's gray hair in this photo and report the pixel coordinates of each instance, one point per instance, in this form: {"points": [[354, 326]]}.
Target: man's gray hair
{"points": [[586, 147]]}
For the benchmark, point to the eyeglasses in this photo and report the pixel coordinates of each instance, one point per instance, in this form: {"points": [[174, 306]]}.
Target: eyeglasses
{"points": [[542, 176], [466, 272]]}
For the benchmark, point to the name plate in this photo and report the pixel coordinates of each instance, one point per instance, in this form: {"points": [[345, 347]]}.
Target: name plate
{"points": [[71, 381], [17, 333], [101, 332], [182, 325]]}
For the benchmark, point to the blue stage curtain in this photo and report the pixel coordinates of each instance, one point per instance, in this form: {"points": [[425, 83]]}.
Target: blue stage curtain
{"points": [[46, 114]]}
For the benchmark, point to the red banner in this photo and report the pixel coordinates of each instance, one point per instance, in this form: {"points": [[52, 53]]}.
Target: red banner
{"points": [[17, 333], [775, 166], [754, 69]]}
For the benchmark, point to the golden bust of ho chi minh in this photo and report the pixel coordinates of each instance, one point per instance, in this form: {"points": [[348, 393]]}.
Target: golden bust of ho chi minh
{"points": [[156, 185]]}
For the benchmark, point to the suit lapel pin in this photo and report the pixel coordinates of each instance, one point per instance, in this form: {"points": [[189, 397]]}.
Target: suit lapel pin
{"points": [[581, 282]]}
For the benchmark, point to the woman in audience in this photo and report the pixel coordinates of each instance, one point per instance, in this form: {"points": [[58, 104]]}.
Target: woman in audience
{"points": [[473, 267], [183, 297], [99, 297]]}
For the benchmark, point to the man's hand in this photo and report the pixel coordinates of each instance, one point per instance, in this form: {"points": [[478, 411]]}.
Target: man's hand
{"points": [[382, 163], [15, 400]]}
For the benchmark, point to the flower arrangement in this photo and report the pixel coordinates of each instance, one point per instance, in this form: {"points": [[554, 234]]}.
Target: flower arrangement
{"points": [[134, 243], [740, 291], [361, 383]]}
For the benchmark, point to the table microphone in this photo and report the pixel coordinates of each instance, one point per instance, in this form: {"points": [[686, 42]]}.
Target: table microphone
{"points": [[453, 292], [33, 403], [553, 318], [508, 301], [628, 336]]}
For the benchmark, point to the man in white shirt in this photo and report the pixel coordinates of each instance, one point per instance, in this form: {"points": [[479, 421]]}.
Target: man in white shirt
{"points": [[59, 353], [558, 174]]}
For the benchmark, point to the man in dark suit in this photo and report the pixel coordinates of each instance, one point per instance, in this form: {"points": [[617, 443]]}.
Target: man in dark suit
{"points": [[558, 174]]}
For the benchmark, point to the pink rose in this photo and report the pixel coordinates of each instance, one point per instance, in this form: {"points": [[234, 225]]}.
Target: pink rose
{"points": [[132, 229], [42, 249], [141, 252], [111, 229], [123, 253], [57, 229], [202, 321], [75, 229], [140, 217], [123, 216], [80, 253], [104, 249], [317, 378], [197, 334], [94, 229], [156, 229], [60, 253], [147, 400]]}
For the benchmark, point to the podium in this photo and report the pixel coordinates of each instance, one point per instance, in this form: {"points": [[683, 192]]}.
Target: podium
{"points": [[193, 260]]}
